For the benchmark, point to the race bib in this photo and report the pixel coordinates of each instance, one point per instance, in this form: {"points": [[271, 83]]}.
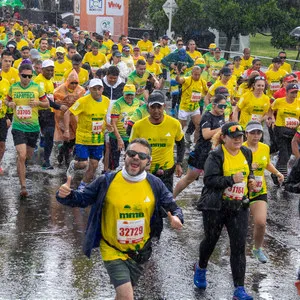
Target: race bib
{"points": [[275, 86], [97, 127], [259, 183], [236, 192], [291, 122], [24, 112], [255, 117], [196, 97], [126, 119], [130, 231]]}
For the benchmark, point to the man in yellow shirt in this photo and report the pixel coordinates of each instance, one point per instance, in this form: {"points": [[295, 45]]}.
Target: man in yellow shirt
{"points": [[162, 132], [107, 41], [145, 44], [43, 49], [283, 64], [246, 60], [25, 55], [8, 72], [60, 66], [123, 41], [126, 213], [164, 48], [91, 112], [21, 42], [94, 58]]}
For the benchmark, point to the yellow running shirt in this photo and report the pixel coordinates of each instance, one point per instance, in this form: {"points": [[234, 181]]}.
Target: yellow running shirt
{"points": [[252, 108], [261, 158], [4, 88], [196, 54], [154, 68], [59, 71], [234, 164], [126, 215], [192, 92], [12, 75], [145, 46], [287, 113], [91, 120], [274, 80], [95, 61], [83, 75], [162, 139], [246, 63], [230, 85]]}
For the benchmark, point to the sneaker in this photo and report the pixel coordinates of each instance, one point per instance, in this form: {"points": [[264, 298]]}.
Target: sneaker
{"points": [[81, 186], [240, 294], [200, 277], [259, 254], [47, 166], [71, 169], [42, 142]]}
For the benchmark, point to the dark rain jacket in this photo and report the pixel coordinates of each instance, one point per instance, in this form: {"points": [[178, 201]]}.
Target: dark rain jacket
{"points": [[215, 182], [94, 194]]}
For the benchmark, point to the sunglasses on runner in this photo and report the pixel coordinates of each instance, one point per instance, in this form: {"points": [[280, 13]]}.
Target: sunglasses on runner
{"points": [[26, 76], [73, 82], [235, 128], [222, 106], [259, 78], [141, 155], [282, 57]]}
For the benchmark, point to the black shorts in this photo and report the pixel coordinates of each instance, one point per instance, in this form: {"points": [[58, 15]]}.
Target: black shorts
{"points": [[263, 197], [28, 138], [3, 129]]}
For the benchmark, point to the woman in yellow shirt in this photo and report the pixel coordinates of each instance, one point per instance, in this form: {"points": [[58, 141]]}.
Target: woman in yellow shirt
{"points": [[286, 123], [191, 50], [258, 196]]}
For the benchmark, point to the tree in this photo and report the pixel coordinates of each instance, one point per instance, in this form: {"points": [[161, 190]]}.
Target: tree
{"points": [[137, 17], [157, 17]]}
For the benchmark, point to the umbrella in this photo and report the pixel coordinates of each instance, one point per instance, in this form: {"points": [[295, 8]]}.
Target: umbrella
{"points": [[295, 32], [12, 3]]}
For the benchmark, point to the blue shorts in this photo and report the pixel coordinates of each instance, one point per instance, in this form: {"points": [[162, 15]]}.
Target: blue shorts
{"points": [[83, 152]]}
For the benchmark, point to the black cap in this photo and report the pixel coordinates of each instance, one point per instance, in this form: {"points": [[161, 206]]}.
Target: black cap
{"points": [[292, 87], [226, 71], [157, 97], [146, 34], [117, 54], [222, 90], [232, 129], [114, 47]]}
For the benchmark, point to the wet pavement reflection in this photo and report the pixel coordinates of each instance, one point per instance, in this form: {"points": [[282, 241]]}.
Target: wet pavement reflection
{"points": [[41, 247]]}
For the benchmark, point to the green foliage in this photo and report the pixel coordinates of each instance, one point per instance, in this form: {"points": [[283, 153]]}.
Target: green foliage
{"points": [[157, 16], [137, 12]]}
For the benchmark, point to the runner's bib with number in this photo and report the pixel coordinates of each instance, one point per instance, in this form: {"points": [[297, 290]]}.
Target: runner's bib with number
{"points": [[255, 117], [291, 122], [196, 96], [259, 184], [130, 231], [24, 112], [97, 127], [275, 86], [236, 192]]}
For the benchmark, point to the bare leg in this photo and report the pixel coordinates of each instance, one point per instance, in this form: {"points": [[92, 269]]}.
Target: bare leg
{"points": [[2, 150], [196, 120], [21, 157], [259, 213], [89, 174], [190, 176], [124, 292]]}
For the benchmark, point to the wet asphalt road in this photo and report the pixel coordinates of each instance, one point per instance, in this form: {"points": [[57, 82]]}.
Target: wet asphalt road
{"points": [[41, 256]]}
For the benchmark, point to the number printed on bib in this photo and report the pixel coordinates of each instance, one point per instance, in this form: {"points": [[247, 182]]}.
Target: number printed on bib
{"points": [[97, 127], [196, 97], [236, 192], [130, 231], [291, 122], [24, 112], [259, 183], [275, 86]]}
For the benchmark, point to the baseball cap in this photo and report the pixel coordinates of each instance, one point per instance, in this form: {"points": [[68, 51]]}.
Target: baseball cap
{"points": [[200, 62], [60, 50], [289, 78], [114, 47], [105, 32], [218, 49], [236, 58], [232, 129], [136, 48], [150, 55], [157, 97], [129, 89], [225, 71], [95, 82], [34, 54], [222, 90], [11, 46], [117, 54], [254, 125], [165, 37], [68, 40], [95, 44], [126, 48], [157, 45], [292, 87], [18, 32], [48, 63], [212, 46]]}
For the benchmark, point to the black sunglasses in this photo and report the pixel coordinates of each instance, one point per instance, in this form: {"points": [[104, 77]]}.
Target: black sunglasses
{"points": [[73, 82], [282, 57], [180, 44], [222, 106], [26, 76], [141, 155]]}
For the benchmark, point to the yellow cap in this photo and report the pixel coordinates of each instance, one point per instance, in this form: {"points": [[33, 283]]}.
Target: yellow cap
{"points": [[200, 61], [212, 46], [60, 50], [129, 89]]}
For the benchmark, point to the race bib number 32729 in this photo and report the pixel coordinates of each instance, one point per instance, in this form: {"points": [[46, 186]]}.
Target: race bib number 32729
{"points": [[130, 231]]}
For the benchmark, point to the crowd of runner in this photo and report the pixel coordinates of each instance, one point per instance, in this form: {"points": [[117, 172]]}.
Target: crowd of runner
{"points": [[95, 97]]}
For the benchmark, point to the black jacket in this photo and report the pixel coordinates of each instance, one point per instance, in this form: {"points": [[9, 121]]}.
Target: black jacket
{"points": [[215, 182]]}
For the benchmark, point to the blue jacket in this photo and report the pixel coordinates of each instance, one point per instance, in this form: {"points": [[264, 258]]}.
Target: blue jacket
{"points": [[94, 194]]}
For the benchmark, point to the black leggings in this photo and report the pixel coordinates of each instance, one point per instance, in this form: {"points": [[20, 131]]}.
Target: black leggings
{"points": [[236, 223]]}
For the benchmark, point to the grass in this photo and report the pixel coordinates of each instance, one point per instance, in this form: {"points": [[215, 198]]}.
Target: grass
{"points": [[261, 46]]}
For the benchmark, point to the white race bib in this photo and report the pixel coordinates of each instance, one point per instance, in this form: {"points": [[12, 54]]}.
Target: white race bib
{"points": [[255, 117], [275, 86], [236, 192], [291, 122], [97, 127], [259, 183], [24, 112], [196, 97], [130, 231]]}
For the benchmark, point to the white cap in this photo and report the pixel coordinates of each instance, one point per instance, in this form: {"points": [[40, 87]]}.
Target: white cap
{"points": [[11, 45], [68, 40], [94, 82], [48, 63]]}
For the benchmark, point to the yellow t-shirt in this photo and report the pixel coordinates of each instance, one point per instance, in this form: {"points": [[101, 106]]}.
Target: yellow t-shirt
{"points": [[108, 44], [234, 164], [4, 88], [260, 160], [95, 61], [192, 92], [162, 139], [273, 79], [46, 85], [196, 54], [83, 75], [30, 35], [21, 44], [287, 113], [252, 108], [154, 68], [136, 58], [158, 57], [243, 88], [60, 69], [126, 215], [91, 120], [145, 46], [286, 67], [238, 72], [44, 55], [230, 85], [165, 51], [247, 64], [17, 63], [12, 75]]}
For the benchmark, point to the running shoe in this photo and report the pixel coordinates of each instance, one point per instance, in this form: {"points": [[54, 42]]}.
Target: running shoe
{"points": [[259, 254], [200, 277], [71, 169], [23, 192], [81, 186], [42, 142], [47, 166], [240, 294]]}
